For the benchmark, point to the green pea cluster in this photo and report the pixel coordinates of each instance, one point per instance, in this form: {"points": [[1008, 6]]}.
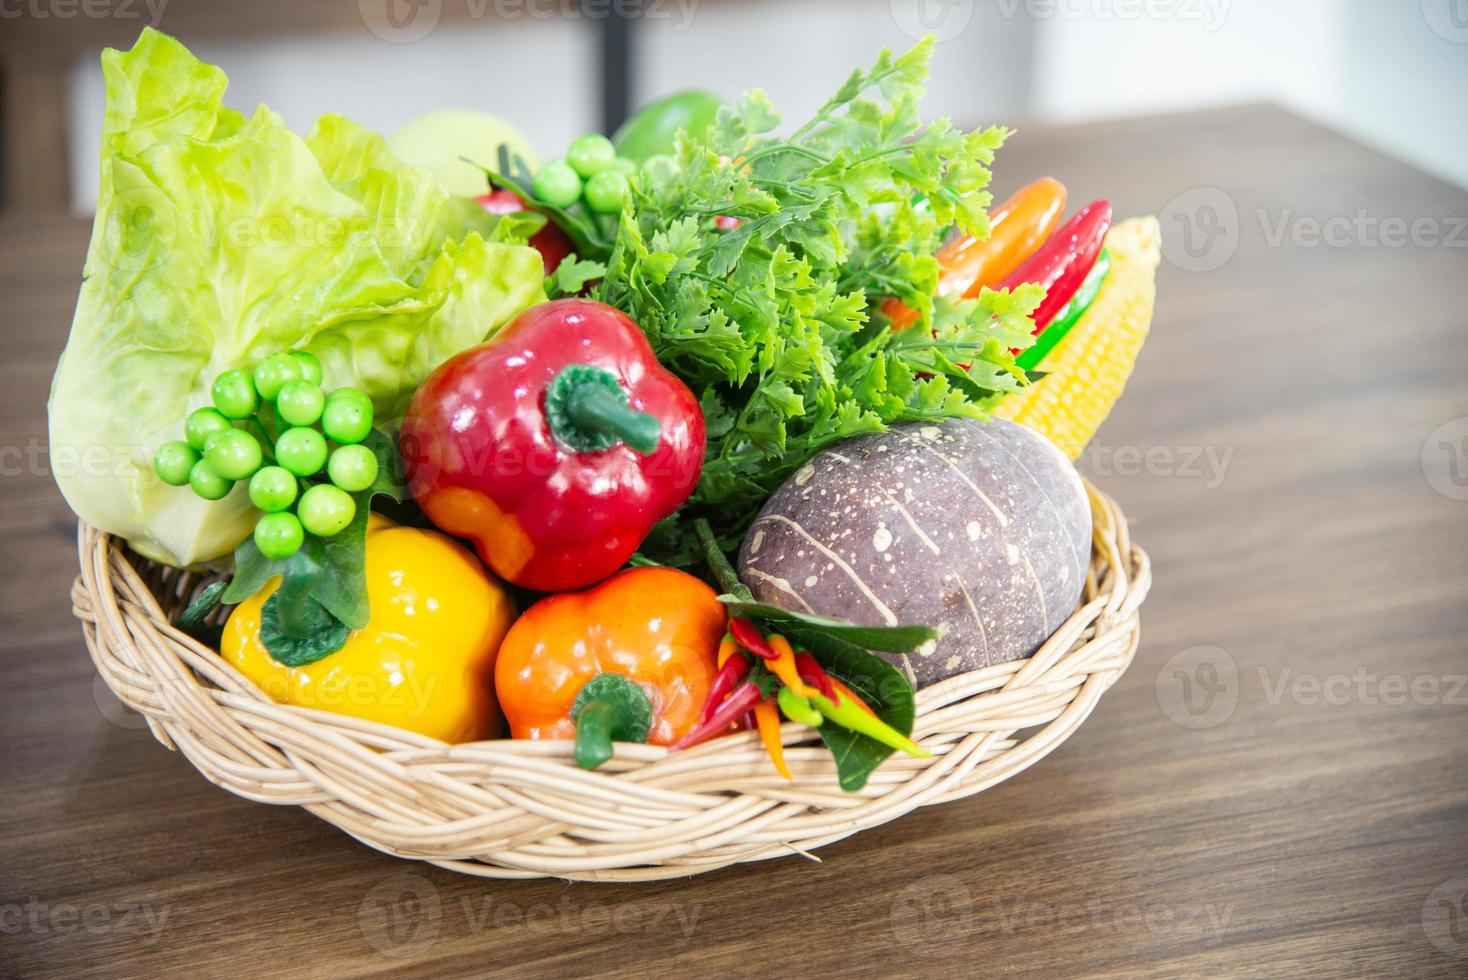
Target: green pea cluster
{"points": [[226, 444], [590, 171]]}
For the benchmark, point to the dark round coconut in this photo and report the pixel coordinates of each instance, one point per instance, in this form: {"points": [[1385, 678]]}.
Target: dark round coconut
{"points": [[982, 529]]}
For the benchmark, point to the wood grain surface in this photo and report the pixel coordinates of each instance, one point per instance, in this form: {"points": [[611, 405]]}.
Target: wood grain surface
{"points": [[1276, 788]]}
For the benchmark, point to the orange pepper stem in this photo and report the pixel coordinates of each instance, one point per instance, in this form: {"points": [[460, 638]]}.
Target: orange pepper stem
{"points": [[767, 717], [783, 666]]}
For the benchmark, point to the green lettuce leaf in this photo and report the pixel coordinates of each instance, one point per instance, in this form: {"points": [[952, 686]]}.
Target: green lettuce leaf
{"points": [[221, 239]]}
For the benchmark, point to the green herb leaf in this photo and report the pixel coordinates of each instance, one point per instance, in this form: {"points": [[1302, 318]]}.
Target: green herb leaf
{"points": [[572, 275], [770, 321]]}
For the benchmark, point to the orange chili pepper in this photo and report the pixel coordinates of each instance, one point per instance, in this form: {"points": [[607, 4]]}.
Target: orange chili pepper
{"points": [[767, 717], [727, 648], [783, 666], [1016, 229]]}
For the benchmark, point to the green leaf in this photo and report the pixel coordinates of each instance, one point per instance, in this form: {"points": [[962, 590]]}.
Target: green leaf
{"points": [[317, 634], [884, 688], [891, 639], [572, 275], [204, 604]]}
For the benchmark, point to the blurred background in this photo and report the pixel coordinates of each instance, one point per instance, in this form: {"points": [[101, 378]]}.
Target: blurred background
{"points": [[1392, 73]]}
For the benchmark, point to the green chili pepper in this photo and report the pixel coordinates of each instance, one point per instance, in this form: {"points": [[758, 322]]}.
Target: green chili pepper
{"points": [[798, 709], [1073, 310], [853, 714]]}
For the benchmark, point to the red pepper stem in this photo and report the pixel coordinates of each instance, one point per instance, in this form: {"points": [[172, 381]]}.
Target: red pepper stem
{"points": [[745, 697], [587, 410]]}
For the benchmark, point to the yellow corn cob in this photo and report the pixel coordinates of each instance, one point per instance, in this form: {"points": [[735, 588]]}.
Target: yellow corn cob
{"points": [[1087, 370]]}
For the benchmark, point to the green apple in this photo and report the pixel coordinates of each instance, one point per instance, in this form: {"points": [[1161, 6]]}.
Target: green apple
{"points": [[438, 140]]}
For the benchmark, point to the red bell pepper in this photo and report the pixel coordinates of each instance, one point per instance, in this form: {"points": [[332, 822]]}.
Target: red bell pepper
{"points": [[1062, 263], [551, 242], [556, 446]]}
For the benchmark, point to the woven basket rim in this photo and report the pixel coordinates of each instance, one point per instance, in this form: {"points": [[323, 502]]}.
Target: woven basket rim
{"points": [[522, 809]]}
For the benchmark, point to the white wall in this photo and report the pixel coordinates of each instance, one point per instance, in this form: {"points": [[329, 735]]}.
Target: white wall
{"points": [[1392, 72]]}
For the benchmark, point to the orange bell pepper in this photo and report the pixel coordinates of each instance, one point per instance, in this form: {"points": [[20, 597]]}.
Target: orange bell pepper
{"points": [[649, 638], [1016, 229]]}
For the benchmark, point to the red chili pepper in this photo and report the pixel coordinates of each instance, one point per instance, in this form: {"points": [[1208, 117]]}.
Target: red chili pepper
{"points": [[556, 446], [1061, 264], [747, 635], [812, 674], [740, 703], [734, 670]]}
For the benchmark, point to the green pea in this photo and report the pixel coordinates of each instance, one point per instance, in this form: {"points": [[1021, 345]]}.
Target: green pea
{"points": [[300, 402], [353, 468], [279, 535], [310, 366], [607, 192], [233, 453], [326, 510], [207, 483], [202, 424], [558, 184], [590, 154], [347, 417], [274, 372], [273, 488], [234, 394], [174, 461], [301, 450]]}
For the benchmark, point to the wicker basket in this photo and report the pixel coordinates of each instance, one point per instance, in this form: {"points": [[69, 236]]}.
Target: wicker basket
{"points": [[516, 809]]}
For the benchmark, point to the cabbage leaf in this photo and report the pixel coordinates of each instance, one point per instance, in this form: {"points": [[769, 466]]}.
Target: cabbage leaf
{"points": [[222, 238]]}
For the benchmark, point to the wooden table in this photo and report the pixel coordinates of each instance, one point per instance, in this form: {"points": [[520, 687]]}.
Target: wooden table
{"points": [[1277, 787]]}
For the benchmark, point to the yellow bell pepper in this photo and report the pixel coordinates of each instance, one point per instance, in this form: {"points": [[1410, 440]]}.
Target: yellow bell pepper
{"points": [[425, 661]]}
